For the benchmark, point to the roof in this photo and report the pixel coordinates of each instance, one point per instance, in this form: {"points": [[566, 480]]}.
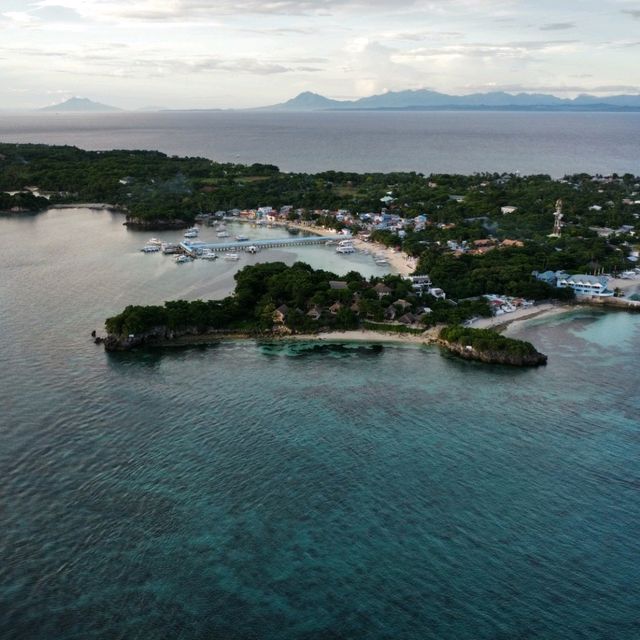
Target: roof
{"points": [[582, 278], [338, 284], [382, 288]]}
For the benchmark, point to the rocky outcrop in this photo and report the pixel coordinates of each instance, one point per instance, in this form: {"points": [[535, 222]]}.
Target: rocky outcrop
{"points": [[164, 337], [467, 352]]}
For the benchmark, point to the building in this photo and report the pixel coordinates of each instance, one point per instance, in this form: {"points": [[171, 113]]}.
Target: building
{"points": [[585, 285]]}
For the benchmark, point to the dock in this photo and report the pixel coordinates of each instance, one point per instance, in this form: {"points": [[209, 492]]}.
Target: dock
{"points": [[272, 243]]}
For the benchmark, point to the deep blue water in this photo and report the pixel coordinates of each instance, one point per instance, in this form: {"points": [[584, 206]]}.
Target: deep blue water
{"points": [[252, 491], [447, 142]]}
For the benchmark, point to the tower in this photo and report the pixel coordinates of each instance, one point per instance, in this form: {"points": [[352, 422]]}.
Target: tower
{"points": [[557, 220]]}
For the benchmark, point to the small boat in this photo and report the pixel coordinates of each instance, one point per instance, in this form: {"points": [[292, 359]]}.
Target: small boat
{"points": [[183, 258], [208, 255], [252, 248], [168, 248], [223, 234], [241, 238], [191, 233], [345, 249], [154, 241], [150, 248], [231, 257]]}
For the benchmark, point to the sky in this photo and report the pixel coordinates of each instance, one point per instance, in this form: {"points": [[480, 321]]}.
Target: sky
{"points": [[244, 53]]}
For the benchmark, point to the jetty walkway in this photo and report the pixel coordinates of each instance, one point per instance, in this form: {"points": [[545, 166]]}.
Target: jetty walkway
{"points": [[193, 248]]}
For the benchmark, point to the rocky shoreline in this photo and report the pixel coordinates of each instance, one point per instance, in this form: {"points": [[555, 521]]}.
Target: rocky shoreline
{"points": [[467, 352]]}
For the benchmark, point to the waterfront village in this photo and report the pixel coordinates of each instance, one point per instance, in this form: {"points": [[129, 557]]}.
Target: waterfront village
{"points": [[465, 247]]}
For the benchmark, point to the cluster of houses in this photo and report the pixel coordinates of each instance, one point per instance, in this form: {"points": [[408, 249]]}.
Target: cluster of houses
{"points": [[500, 305], [399, 311], [480, 247], [582, 284]]}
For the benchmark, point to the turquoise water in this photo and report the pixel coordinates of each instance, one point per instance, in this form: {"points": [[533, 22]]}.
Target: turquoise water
{"points": [[256, 491]]}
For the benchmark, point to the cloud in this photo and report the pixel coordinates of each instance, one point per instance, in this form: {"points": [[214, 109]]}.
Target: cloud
{"points": [[516, 49], [558, 26], [634, 13], [178, 10], [21, 19]]}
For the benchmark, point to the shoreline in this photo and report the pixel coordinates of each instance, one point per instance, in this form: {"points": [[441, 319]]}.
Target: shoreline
{"points": [[402, 263]]}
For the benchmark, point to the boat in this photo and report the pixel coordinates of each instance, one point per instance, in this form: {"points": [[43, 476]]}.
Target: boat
{"points": [[150, 248], [191, 233], [231, 257], [207, 254], [241, 238], [168, 248], [252, 248], [346, 248], [223, 234], [183, 258], [154, 241]]}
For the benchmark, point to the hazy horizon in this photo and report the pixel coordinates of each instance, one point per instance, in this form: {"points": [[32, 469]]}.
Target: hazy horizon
{"points": [[185, 54]]}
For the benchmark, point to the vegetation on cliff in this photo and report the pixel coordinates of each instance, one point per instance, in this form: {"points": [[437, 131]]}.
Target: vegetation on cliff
{"points": [[489, 346]]}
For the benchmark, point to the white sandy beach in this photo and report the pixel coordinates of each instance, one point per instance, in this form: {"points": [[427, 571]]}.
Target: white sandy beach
{"points": [[366, 335], [403, 264], [547, 309]]}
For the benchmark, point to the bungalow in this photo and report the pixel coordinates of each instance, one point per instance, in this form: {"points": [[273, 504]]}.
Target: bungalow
{"points": [[402, 304], [280, 314], [382, 290], [512, 243], [335, 308], [338, 285], [438, 293], [390, 313], [355, 307], [407, 318], [315, 313]]}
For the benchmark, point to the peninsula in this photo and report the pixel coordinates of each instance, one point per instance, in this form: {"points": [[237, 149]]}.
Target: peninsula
{"points": [[272, 300]]}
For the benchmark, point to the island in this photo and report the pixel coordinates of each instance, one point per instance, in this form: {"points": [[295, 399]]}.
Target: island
{"points": [[273, 300]]}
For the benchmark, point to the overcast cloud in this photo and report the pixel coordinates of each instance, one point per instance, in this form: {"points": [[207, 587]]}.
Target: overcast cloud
{"points": [[243, 53]]}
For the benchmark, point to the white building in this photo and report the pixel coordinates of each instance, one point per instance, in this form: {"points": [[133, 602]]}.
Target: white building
{"points": [[585, 285]]}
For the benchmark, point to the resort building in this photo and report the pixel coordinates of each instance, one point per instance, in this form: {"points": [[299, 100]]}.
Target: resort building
{"points": [[586, 285]]}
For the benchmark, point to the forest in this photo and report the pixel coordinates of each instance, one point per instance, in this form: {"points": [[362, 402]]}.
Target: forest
{"points": [[272, 296]]}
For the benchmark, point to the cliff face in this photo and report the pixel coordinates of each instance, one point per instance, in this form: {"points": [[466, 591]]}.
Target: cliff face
{"points": [[494, 357], [165, 337]]}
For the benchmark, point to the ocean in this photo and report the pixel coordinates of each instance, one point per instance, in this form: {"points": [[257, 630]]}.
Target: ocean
{"points": [[248, 490], [429, 142]]}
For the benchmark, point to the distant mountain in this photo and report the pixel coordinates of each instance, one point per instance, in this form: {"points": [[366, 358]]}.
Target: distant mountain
{"points": [[310, 101], [80, 104], [426, 99]]}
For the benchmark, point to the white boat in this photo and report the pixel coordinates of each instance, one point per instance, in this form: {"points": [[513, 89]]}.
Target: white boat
{"points": [[191, 233], [231, 256], [346, 248], [252, 248], [150, 248], [241, 238], [168, 247], [154, 241], [183, 258], [208, 255], [223, 234]]}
